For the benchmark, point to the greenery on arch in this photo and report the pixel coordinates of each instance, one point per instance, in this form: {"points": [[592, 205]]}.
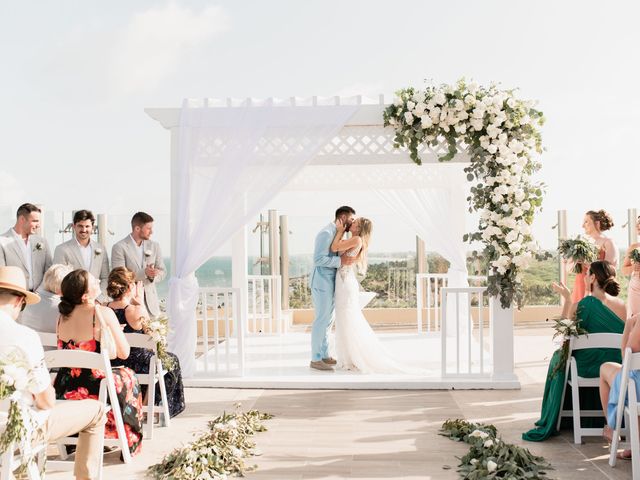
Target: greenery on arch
{"points": [[501, 134]]}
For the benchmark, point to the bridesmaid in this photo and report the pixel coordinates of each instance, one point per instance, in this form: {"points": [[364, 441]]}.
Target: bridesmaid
{"points": [[633, 269], [594, 224]]}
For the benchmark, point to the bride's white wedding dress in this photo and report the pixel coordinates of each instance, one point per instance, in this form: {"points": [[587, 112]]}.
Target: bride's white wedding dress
{"points": [[357, 346]]}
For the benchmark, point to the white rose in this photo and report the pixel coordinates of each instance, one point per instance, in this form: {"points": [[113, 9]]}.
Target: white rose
{"points": [[188, 470], [470, 100], [478, 113], [439, 98], [472, 87], [526, 205], [392, 121], [511, 102], [398, 102], [511, 236], [458, 104], [473, 461], [419, 109], [488, 443], [463, 115], [492, 149], [517, 212], [476, 123], [493, 131], [411, 105], [419, 97], [408, 117], [425, 121], [491, 466], [461, 128], [515, 247]]}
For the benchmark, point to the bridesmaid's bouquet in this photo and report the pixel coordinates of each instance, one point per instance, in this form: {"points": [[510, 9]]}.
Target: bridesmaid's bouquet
{"points": [[634, 255], [565, 329], [158, 328], [579, 250]]}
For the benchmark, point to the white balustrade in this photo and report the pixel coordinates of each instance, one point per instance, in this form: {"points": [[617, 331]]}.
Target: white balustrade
{"points": [[435, 282], [468, 352], [265, 305], [223, 350]]}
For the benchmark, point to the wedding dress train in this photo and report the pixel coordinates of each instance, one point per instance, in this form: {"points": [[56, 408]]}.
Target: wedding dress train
{"points": [[357, 346]]}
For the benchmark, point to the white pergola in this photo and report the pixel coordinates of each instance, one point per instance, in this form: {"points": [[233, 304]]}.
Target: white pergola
{"points": [[360, 155]]}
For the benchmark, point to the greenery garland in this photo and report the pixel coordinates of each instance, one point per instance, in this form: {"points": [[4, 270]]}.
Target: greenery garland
{"points": [[490, 457], [216, 454], [500, 132]]}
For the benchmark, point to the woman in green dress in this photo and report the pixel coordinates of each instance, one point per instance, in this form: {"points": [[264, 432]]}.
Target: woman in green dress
{"points": [[599, 312]]}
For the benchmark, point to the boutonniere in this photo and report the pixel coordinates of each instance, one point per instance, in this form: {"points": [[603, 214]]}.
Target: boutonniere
{"points": [[147, 253], [38, 246], [97, 251]]}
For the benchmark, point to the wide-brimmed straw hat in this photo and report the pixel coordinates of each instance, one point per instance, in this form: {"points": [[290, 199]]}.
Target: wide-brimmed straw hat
{"points": [[12, 278]]}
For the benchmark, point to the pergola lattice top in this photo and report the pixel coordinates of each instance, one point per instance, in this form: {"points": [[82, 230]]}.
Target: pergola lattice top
{"points": [[362, 141]]}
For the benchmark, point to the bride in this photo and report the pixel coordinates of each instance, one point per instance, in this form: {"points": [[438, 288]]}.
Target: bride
{"points": [[357, 347]]}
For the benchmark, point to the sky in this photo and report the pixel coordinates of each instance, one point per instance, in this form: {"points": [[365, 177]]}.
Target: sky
{"points": [[77, 75]]}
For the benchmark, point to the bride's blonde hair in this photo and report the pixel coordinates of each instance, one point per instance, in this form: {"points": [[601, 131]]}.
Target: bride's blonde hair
{"points": [[366, 227]]}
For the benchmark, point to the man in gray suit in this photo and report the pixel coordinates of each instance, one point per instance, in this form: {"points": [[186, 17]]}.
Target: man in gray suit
{"points": [[138, 253], [21, 247], [82, 252]]}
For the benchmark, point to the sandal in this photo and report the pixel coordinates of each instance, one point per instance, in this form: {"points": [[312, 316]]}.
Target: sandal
{"points": [[624, 455]]}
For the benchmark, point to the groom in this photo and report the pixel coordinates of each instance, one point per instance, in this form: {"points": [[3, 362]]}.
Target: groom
{"points": [[323, 283]]}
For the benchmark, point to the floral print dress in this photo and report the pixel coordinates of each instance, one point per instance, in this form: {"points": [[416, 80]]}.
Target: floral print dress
{"points": [[81, 383]]}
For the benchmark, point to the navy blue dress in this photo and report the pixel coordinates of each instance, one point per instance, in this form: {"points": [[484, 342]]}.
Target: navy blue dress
{"points": [[138, 361]]}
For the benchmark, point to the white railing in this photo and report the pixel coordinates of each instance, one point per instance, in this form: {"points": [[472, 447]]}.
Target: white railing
{"points": [[221, 330], [459, 348], [435, 282], [265, 304]]}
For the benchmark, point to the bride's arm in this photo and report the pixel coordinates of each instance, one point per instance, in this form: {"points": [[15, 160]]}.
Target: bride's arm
{"points": [[339, 245]]}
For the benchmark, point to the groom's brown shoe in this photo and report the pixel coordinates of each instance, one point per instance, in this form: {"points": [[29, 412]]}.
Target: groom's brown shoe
{"points": [[320, 365], [330, 361]]}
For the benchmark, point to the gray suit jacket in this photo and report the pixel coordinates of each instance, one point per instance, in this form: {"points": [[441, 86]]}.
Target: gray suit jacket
{"points": [[68, 253], [11, 255], [125, 254]]}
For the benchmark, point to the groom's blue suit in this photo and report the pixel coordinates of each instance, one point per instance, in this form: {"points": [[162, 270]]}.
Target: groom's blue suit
{"points": [[323, 284]]}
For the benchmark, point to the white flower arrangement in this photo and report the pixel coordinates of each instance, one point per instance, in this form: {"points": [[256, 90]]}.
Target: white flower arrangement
{"points": [[158, 328], [501, 134], [16, 381]]}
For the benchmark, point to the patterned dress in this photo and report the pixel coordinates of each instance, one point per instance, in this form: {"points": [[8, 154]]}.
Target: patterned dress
{"points": [[81, 383], [138, 361]]}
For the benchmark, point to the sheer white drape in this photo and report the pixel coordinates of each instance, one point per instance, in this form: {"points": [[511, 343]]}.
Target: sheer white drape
{"points": [[230, 163]]}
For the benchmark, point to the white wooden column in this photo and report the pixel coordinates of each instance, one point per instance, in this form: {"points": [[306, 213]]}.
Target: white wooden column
{"points": [[240, 280], [502, 343]]}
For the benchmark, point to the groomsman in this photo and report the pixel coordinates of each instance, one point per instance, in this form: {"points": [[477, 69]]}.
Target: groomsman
{"points": [[21, 247], [82, 252], [138, 253]]}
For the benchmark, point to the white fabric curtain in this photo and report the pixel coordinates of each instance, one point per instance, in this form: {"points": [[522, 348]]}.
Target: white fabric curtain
{"points": [[231, 162], [437, 216]]}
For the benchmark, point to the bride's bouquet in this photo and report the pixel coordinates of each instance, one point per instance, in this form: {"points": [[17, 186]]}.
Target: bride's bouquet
{"points": [[579, 250], [634, 256], [158, 328]]}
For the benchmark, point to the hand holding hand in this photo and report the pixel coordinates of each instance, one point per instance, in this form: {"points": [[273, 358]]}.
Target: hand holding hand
{"points": [[150, 271], [340, 225]]}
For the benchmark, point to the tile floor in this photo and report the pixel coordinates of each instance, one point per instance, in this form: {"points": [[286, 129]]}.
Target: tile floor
{"points": [[377, 434]]}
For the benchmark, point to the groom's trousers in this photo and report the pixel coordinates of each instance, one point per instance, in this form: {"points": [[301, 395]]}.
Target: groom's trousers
{"points": [[324, 304]]}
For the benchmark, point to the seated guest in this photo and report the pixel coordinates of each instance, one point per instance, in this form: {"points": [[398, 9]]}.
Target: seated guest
{"points": [[599, 312], [80, 327], [85, 417], [610, 379], [43, 316], [128, 305], [82, 252]]}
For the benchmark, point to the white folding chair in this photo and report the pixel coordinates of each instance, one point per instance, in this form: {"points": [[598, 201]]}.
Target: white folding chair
{"points": [[156, 375], [631, 411], [17, 454], [582, 342], [96, 361], [48, 339]]}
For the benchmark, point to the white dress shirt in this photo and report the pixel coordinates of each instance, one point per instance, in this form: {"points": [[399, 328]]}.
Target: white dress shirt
{"points": [[26, 254], [140, 250], [17, 337], [86, 254]]}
